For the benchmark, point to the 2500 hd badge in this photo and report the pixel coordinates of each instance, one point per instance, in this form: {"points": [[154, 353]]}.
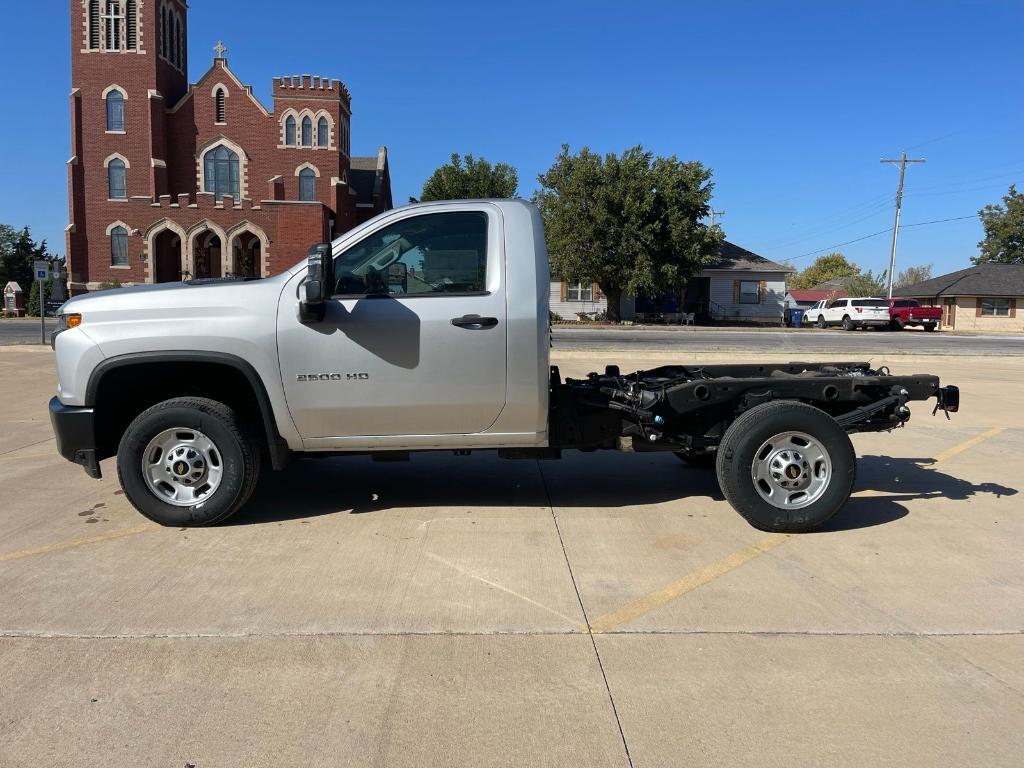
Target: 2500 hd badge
{"points": [[332, 377]]}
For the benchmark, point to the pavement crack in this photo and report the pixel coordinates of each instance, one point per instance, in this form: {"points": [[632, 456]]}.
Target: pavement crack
{"points": [[586, 618]]}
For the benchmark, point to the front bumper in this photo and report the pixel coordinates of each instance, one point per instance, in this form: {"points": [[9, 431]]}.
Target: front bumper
{"points": [[74, 428]]}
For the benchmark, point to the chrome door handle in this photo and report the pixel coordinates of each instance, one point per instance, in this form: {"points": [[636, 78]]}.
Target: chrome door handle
{"points": [[474, 321]]}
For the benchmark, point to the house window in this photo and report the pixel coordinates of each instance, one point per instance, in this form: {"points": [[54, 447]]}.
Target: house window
{"points": [[118, 179], [94, 25], [132, 21], [114, 23], [750, 292], [221, 172], [119, 247], [307, 132], [289, 131], [995, 307], [307, 185], [115, 111], [579, 292], [322, 132], [220, 113]]}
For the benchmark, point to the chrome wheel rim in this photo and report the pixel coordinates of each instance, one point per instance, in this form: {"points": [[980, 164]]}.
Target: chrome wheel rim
{"points": [[791, 470], [182, 466]]}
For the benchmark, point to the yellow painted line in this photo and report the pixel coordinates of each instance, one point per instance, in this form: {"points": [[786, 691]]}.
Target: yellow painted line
{"points": [[968, 444], [677, 589], [64, 545]]}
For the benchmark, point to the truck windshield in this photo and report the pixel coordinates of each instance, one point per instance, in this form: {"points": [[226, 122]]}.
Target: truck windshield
{"points": [[905, 303]]}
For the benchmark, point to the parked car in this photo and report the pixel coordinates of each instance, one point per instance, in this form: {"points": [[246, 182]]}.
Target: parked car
{"points": [[904, 312], [852, 313]]}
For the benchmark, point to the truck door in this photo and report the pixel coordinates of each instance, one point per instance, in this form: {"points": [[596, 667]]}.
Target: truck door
{"points": [[413, 341]]}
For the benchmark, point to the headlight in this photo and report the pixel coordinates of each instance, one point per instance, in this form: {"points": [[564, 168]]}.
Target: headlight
{"points": [[66, 322]]}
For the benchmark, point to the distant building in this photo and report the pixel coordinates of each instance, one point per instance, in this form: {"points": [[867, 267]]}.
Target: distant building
{"points": [[797, 298], [169, 180], [980, 298], [14, 299], [739, 286]]}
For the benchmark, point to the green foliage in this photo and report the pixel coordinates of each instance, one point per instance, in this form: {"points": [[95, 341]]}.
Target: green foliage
{"points": [[107, 285], [867, 284], [32, 305], [18, 251], [914, 275], [630, 223], [470, 178], [1004, 230], [824, 268]]}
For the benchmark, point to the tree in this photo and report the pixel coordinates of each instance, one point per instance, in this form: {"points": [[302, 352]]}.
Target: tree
{"points": [[824, 268], [474, 178], [32, 305], [914, 275], [630, 223], [1004, 230], [866, 284], [18, 251]]}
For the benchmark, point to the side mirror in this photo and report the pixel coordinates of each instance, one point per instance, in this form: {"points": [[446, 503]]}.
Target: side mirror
{"points": [[398, 278], [319, 284]]}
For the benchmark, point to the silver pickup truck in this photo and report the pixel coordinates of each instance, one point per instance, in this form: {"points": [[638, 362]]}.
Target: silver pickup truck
{"points": [[427, 329]]}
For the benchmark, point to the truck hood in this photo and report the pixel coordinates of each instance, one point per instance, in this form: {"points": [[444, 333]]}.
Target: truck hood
{"points": [[145, 301]]}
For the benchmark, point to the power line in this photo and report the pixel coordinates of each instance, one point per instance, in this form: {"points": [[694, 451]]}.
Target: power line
{"points": [[876, 234]]}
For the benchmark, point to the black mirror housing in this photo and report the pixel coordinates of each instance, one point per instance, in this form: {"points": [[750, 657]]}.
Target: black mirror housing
{"points": [[319, 285]]}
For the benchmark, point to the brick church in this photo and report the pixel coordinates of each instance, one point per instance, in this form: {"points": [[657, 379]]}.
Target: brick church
{"points": [[170, 181]]}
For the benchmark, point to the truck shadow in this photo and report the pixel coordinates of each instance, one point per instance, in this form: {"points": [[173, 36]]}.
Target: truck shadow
{"points": [[891, 481], [357, 485]]}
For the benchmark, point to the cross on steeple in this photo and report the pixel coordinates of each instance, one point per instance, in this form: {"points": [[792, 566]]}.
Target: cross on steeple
{"points": [[220, 49]]}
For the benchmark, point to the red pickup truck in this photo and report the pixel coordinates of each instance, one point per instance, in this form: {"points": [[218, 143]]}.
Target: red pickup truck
{"points": [[906, 312]]}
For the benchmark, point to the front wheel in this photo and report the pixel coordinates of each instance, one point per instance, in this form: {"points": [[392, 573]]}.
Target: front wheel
{"points": [[929, 326], [786, 466], [820, 322], [188, 461], [896, 324]]}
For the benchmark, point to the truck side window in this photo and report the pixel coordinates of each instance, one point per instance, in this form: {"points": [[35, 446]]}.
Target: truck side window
{"points": [[429, 254]]}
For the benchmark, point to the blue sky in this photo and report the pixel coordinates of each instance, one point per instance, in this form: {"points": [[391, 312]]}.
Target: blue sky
{"points": [[792, 104]]}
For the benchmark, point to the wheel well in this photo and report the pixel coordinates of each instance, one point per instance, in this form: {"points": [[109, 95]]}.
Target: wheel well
{"points": [[124, 392]]}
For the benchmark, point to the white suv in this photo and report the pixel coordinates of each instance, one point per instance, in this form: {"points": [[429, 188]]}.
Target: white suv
{"points": [[851, 313]]}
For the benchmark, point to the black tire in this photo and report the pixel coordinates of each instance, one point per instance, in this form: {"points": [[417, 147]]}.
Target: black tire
{"points": [[929, 327], [820, 322], [701, 460], [896, 324], [848, 323], [236, 448], [750, 431]]}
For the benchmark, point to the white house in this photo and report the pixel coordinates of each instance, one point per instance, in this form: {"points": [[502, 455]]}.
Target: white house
{"points": [[739, 287]]}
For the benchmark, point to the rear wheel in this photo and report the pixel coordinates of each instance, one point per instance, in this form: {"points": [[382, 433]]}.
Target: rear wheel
{"points": [[786, 466], [847, 323], [188, 462]]}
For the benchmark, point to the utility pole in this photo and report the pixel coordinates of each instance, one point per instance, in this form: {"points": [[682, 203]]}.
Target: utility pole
{"points": [[715, 213], [902, 162]]}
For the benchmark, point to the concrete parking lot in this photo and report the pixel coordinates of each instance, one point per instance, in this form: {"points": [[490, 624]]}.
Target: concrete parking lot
{"points": [[605, 610]]}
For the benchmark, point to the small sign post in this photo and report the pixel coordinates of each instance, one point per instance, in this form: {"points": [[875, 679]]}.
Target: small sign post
{"points": [[42, 271]]}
